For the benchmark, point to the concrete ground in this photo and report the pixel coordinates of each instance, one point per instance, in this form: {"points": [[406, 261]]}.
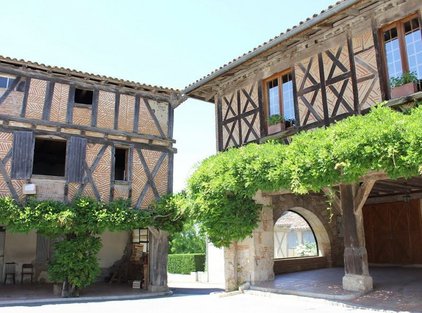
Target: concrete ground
{"points": [[245, 303], [395, 288], [33, 294]]}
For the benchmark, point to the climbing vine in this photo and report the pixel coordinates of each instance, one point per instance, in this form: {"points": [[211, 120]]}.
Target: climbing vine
{"points": [[220, 192], [77, 227]]}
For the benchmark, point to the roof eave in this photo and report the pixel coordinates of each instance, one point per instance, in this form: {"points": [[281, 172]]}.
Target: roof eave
{"points": [[295, 31]]}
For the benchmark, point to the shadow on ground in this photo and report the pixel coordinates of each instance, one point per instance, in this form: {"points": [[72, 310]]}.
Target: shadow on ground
{"points": [[395, 288]]}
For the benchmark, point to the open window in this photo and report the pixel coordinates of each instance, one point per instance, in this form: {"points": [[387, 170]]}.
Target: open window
{"points": [[279, 101], [293, 237], [83, 96], [49, 157], [402, 48], [120, 164], [9, 81]]}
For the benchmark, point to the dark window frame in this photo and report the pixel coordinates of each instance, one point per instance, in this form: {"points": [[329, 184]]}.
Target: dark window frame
{"points": [[279, 77], [20, 87], [80, 94], [125, 171]]}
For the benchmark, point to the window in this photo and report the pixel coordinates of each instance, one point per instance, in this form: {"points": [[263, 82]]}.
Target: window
{"points": [[6, 82], [83, 96], [120, 164], [403, 47], [140, 240], [49, 157], [279, 97]]}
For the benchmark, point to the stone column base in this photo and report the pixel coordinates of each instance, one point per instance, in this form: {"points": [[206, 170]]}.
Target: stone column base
{"points": [[153, 288], [361, 283]]}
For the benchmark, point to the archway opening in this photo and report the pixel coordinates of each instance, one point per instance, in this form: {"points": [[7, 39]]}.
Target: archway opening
{"points": [[294, 237]]}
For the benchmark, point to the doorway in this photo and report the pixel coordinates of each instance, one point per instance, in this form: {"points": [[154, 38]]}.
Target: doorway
{"points": [[393, 232]]}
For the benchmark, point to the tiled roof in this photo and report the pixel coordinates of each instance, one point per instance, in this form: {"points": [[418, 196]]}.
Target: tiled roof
{"points": [[292, 221], [84, 75], [290, 32]]}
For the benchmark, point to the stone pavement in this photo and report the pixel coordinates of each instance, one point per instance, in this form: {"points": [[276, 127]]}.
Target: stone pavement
{"points": [[395, 288], [34, 294]]}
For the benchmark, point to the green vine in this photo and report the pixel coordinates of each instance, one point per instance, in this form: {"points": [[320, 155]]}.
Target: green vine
{"points": [[77, 226], [219, 193]]}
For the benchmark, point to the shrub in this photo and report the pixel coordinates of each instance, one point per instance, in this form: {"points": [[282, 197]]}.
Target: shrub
{"points": [[186, 263]]}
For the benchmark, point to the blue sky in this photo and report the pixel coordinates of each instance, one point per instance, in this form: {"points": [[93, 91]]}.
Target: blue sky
{"points": [[165, 43]]}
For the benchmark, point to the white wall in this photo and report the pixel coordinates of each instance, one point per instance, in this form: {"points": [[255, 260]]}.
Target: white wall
{"points": [[215, 264], [20, 248], [114, 244]]}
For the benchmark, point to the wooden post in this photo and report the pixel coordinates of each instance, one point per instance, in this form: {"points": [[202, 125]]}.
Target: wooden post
{"points": [[355, 255], [158, 260]]}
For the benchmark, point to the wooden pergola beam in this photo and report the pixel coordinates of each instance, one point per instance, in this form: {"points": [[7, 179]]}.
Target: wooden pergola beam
{"points": [[363, 194]]}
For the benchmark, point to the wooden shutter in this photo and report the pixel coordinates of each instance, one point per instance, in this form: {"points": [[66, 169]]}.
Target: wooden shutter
{"points": [[22, 155], [75, 158]]}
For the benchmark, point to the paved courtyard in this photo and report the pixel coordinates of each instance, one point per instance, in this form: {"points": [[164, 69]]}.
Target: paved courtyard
{"points": [[245, 303]]}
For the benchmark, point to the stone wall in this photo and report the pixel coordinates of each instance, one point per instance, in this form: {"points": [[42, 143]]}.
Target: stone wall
{"points": [[323, 221], [252, 260]]}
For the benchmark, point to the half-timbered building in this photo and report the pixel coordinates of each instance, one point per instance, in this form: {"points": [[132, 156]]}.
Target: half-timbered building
{"points": [[65, 134], [336, 64]]}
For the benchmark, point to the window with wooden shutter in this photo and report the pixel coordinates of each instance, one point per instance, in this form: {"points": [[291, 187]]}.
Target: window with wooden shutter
{"points": [[75, 158], [22, 155]]}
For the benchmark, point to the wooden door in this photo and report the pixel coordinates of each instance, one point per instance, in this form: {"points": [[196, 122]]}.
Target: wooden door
{"points": [[393, 232]]}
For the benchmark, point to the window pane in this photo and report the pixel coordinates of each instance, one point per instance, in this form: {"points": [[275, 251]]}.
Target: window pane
{"points": [[392, 51], [273, 98], [10, 82], [3, 82], [288, 103], [414, 51]]}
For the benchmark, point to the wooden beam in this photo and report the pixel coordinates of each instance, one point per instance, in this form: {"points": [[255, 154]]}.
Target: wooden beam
{"points": [[363, 194], [36, 122], [374, 176], [84, 83], [394, 198], [355, 254]]}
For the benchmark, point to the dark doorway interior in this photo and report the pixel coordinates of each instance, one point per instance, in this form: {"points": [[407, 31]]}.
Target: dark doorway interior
{"points": [[49, 157]]}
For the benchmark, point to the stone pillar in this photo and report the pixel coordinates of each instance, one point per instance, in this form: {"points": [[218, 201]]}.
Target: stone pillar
{"points": [[262, 254], [231, 267], [356, 276], [252, 259], [158, 250]]}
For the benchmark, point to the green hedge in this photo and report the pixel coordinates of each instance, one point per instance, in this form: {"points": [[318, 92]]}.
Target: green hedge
{"points": [[186, 263]]}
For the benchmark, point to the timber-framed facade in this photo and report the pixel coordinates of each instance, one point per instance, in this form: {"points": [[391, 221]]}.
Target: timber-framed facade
{"points": [[340, 64], [65, 134]]}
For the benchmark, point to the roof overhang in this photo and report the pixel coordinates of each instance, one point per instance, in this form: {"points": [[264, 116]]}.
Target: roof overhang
{"points": [[303, 26]]}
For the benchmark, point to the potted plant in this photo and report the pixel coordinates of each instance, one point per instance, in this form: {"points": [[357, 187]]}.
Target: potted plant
{"points": [[289, 123], [275, 124], [403, 85]]}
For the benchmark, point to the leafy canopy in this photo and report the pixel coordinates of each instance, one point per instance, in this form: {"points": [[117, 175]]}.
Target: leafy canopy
{"points": [[219, 193], [77, 226]]}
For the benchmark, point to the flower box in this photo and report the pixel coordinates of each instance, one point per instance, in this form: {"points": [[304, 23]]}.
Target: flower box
{"points": [[276, 128], [403, 90]]}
